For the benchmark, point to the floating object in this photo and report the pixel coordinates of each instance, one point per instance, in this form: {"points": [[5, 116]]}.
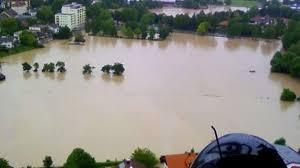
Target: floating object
{"points": [[2, 77], [252, 71]]}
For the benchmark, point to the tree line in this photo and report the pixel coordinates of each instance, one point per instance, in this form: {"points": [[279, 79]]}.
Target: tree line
{"points": [[79, 158]]}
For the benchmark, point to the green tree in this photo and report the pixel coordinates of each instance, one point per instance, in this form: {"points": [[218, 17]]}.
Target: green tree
{"points": [[63, 33], [61, 66], [164, 32], [145, 156], [138, 32], [118, 69], [26, 67], [8, 26], [49, 67], [202, 28], [280, 141], [287, 95], [36, 66], [147, 18], [80, 159], [129, 14], [4, 163], [28, 39], [45, 14], [151, 34], [47, 162], [106, 68], [87, 69], [79, 37], [56, 5], [36, 3]]}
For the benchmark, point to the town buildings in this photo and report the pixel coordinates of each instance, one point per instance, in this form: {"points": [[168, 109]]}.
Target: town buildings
{"points": [[72, 15]]}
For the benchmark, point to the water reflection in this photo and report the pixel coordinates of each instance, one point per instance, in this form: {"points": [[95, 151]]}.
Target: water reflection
{"points": [[88, 77], [36, 75], [112, 78], [27, 75], [61, 76], [49, 75]]}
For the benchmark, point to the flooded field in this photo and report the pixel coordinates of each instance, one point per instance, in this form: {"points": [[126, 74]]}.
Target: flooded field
{"points": [[171, 93]]}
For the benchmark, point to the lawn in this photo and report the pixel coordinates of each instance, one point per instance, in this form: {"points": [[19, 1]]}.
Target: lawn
{"points": [[244, 3], [15, 50]]}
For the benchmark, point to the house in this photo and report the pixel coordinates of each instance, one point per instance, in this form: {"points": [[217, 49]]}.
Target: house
{"points": [[290, 157], [130, 164], [265, 20], [20, 7], [38, 28], [223, 24], [8, 13], [17, 35], [7, 42], [53, 28], [295, 6], [183, 160]]}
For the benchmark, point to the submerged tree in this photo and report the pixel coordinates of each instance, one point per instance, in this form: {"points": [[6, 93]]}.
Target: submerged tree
{"points": [[26, 67], [36, 66], [49, 67], [87, 69], [61, 66], [118, 69], [280, 141], [106, 68], [3, 163], [79, 37], [47, 162], [287, 95]]}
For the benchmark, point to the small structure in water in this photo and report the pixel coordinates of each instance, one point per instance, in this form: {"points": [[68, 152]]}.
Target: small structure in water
{"points": [[252, 71]]}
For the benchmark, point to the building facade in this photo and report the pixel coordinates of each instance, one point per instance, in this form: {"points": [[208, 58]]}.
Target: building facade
{"points": [[72, 15]]}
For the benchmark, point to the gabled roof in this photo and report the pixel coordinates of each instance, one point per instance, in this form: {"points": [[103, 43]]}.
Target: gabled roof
{"points": [[130, 164], [183, 160], [6, 39], [9, 13]]}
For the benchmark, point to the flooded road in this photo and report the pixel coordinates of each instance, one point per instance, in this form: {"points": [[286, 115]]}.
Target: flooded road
{"points": [[171, 93], [173, 11]]}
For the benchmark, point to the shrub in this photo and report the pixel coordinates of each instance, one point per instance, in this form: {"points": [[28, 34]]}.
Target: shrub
{"points": [[145, 156], [87, 69], [36, 66], [80, 159], [106, 68], [3, 163], [61, 66], [47, 162], [26, 67], [118, 69], [287, 95], [280, 141]]}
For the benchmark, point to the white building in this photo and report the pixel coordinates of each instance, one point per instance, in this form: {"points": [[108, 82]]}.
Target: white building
{"points": [[72, 15], [20, 8], [7, 42]]}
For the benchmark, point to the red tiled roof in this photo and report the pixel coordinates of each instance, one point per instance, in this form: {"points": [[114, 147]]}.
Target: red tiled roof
{"points": [[180, 160]]}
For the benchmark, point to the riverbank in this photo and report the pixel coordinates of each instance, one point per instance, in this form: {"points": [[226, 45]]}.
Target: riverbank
{"points": [[17, 50]]}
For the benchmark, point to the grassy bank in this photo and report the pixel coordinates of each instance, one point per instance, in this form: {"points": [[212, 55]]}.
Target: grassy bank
{"points": [[16, 50], [244, 3]]}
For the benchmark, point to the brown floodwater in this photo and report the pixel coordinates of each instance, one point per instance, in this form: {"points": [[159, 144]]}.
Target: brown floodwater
{"points": [[171, 93], [173, 11]]}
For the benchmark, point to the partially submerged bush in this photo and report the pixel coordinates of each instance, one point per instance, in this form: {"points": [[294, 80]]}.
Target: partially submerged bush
{"points": [[287, 95], [26, 67], [280, 141], [87, 69]]}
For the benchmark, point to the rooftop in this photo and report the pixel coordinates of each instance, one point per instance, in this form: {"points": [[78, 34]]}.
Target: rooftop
{"points": [[183, 160], [73, 5], [5, 39]]}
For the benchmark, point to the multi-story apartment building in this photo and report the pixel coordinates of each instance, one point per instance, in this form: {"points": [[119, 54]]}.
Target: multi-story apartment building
{"points": [[72, 15]]}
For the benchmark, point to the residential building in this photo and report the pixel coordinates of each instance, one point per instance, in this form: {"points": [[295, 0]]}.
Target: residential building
{"points": [[8, 13], [17, 35], [54, 28], [20, 7], [72, 15], [127, 163], [183, 160], [7, 42], [264, 20], [38, 28]]}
